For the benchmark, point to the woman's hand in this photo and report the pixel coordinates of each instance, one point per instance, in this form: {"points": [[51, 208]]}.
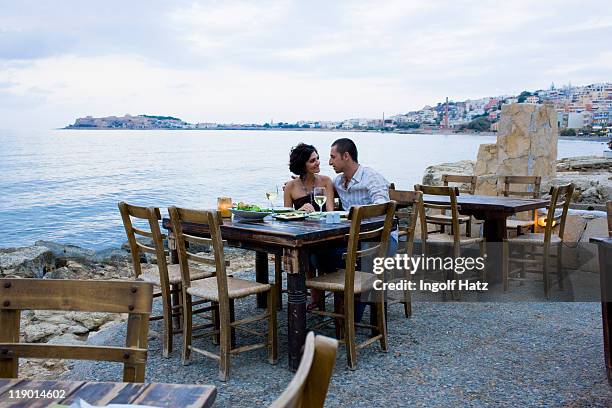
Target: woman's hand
{"points": [[307, 207]]}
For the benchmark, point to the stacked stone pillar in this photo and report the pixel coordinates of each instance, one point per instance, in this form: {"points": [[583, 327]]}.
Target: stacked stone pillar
{"points": [[526, 146]]}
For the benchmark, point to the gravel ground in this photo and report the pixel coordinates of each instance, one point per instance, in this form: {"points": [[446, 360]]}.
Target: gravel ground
{"points": [[446, 354]]}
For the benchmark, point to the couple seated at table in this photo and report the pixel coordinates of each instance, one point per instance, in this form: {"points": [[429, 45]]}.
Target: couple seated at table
{"points": [[355, 184]]}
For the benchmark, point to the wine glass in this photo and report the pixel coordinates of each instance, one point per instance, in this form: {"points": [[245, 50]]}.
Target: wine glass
{"points": [[271, 195], [320, 198]]}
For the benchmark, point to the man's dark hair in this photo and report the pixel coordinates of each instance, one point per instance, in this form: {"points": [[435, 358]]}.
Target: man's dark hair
{"points": [[346, 145], [298, 157]]}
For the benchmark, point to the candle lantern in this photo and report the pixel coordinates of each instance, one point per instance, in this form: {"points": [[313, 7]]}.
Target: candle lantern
{"points": [[223, 205]]}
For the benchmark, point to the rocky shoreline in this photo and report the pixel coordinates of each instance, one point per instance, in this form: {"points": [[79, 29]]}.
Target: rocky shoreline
{"points": [[592, 176]]}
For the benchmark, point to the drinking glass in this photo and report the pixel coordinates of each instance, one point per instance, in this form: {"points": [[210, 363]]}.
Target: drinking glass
{"points": [[320, 197], [271, 195]]}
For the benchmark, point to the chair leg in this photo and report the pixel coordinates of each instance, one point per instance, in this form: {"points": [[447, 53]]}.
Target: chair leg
{"points": [[278, 280], [181, 304], [175, 296], [215, 321], [187, 327], [349, 333], [381, 324], [546, 272], [407, 303], [456, 294], [272, 334], [483, 254], [232, 319], [339, 308], [505, 262], [167, 317], [560, 266], [225, 347]]}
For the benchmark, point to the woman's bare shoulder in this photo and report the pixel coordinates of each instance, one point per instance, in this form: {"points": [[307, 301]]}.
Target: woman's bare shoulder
{"points": [[289, 185]]}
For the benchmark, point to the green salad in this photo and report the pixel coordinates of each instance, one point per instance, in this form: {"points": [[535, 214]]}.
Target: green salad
{"points": [[249, 207]]}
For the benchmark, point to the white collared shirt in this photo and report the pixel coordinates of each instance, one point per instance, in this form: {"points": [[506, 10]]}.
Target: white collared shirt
{"points": [[366, 187]]}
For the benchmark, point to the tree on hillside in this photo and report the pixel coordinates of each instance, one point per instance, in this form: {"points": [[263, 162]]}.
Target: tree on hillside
{"points": [[523, 95], [481, 124]]}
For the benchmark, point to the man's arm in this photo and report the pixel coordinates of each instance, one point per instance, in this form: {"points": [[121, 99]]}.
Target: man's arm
{"points": [[378, 189]]}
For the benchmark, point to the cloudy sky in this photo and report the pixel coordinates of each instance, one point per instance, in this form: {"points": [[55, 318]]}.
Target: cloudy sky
{"points": [[226, 61]]}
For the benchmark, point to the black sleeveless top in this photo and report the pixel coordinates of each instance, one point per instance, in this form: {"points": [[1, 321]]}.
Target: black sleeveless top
{"points": [[299, 202]]}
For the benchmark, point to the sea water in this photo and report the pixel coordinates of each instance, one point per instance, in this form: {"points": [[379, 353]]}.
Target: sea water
{"points": [[64, 185]]}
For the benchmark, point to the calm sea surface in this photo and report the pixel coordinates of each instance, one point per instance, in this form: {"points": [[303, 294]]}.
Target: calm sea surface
{"points": [[64, 185]]}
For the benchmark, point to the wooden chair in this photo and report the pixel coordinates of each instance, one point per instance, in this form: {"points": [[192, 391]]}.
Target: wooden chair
{"points": [[407, 214], [560, 197], [456, 239], [167, 277], [349, 282], [468, 186], [530, 189], [309, 385], [467, 183], [134, 298], [221, 290]]}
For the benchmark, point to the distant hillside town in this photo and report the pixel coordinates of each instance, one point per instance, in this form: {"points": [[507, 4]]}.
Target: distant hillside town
{"points": [[580, 110]]}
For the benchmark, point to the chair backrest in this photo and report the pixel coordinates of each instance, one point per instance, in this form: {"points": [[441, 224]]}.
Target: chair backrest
{"points": [[212, 220], [308, 388], [152, 216], [609, 208], [377, 239], [560, 197], [451, 193], [530, 186], [129, 297], [468, 183], [407, 208]]}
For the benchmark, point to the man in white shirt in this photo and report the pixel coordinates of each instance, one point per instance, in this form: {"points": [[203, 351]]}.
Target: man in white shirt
{"points": [[358, 185], [355, 184]]}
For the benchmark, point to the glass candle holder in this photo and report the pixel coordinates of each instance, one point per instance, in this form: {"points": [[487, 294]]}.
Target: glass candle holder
{"points": [[223, 205]]}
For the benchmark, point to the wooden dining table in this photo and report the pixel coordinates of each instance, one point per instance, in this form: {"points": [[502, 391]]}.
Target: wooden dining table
{"points": [[493, 210], [16, 393], [295, 240]]}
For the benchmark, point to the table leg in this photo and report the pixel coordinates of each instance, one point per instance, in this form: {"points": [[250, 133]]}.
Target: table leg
{"points": [[494, 231], [261, 276], [296, 304], [172, 246]]}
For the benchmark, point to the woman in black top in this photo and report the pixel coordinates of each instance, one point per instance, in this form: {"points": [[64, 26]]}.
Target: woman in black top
{"points": [[304, 162]]}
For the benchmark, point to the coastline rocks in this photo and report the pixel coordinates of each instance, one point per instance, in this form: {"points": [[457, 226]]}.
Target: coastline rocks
{"points": [[66, 251], [593, 183], [111, 255], [588, 188], [585, 163], [26, 262], [433, 174]]}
